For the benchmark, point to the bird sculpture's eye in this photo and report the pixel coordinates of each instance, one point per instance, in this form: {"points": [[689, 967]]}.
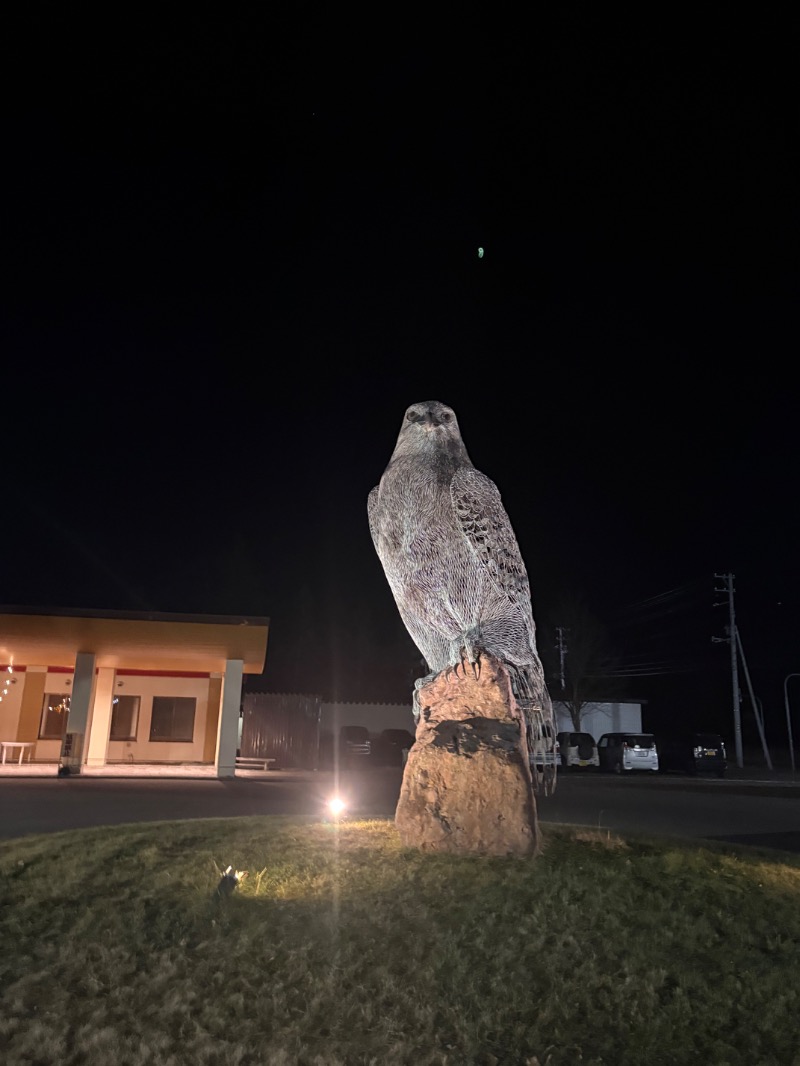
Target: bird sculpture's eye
{"points": [[447, 416], [412, 414]]}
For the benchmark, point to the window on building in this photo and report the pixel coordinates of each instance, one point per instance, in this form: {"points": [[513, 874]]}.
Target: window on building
{"points": [[125, 717], [173, 718], [54, 715]]}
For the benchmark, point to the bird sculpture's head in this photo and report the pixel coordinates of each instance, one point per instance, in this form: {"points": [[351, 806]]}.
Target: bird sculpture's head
{"points": [[431, 426]]}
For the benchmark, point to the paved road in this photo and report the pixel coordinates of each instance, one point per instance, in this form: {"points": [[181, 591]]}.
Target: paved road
{"points": [[750, 813], [739, 811], [51, 804]]}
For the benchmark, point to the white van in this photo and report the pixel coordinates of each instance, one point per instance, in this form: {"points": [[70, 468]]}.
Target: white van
{"points": [[620, 752]]}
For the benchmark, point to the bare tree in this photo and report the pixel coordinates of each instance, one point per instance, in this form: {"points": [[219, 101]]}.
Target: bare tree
{"points": [[580, 665]]}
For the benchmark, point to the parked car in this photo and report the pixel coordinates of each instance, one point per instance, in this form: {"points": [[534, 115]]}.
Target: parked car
{"points": [[578, 750], [354, 744], [621, 752], [692, 753], [391, 747], [545, 759]]}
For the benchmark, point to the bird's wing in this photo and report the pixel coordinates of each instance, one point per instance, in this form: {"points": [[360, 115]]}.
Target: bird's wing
{"points": [[372, 506], [479, 511]]}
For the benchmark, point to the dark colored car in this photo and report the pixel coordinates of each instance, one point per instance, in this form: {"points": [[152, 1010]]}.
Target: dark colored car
{"points": [[391, 747], [354, 745], [692, 753]]}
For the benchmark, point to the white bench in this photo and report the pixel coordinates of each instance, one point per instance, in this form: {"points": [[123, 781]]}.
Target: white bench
{"points": [[25, 746], [254, 762]]}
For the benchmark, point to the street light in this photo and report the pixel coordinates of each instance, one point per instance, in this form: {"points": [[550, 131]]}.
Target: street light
{"points": [[788, 717]]}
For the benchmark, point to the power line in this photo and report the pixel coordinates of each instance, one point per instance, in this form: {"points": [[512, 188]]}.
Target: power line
{"points": [[677, 595]]}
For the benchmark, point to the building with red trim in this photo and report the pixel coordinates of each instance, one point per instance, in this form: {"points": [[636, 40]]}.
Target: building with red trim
{"points": [[85, 688]]}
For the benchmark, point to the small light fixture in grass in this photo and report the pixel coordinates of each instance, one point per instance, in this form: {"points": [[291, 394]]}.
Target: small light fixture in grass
{"points": [[229, 880], [337, 806]]}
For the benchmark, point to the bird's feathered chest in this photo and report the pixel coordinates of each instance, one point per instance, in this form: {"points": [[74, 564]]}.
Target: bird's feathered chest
{"points": [[444, 516], [413, 500]]}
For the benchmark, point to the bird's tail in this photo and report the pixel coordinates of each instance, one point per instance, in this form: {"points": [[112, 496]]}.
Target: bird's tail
{"points": [[534, 700]]}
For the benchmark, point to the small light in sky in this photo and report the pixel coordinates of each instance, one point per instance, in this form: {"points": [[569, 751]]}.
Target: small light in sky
{"points": [[480, 253]]}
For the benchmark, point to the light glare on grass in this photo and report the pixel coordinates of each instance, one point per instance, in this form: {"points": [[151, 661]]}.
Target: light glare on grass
{"points": [[334, 909], [336, 806]]}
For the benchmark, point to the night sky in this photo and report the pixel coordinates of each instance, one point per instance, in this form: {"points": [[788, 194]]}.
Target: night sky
{"points": [[237, 247]]}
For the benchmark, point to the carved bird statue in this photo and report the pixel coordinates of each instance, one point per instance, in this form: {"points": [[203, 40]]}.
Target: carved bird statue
{"points": [[454, 567]]}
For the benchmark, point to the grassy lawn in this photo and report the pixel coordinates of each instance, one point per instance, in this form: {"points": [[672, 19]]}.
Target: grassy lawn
{"points": [[342, 947]]}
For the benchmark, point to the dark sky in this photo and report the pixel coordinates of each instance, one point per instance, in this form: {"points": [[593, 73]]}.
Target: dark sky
{"points": [[237, 247]]}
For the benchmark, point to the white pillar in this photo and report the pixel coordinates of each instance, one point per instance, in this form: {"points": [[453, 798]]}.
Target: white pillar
{"points": [[72, 748], [100, 723], [228, 729]]}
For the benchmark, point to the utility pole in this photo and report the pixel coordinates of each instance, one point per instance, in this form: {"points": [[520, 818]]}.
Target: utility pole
{"points": [[562, 652], [788, 718], [756, 710], [731, 639]]}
